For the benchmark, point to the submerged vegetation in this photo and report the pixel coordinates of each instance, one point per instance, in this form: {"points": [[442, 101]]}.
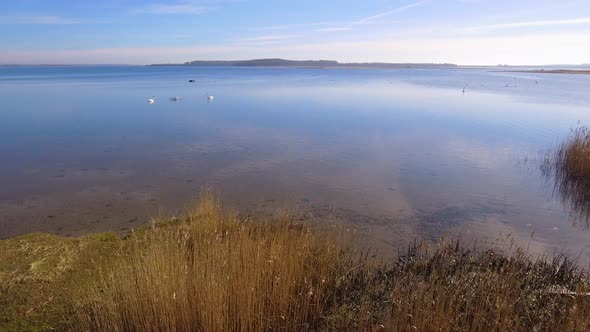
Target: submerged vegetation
{"points": [[210, 271], [568, 168]]}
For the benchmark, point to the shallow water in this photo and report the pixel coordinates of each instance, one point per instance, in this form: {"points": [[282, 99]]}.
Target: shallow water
{"points": [[400, 153]]}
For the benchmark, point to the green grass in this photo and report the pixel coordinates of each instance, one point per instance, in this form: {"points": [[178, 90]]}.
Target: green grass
{"points": [[207, 271], [41, 273]]}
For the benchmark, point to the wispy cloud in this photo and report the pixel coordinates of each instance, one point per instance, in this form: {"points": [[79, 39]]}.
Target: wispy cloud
{"points": [[268, 38], [524, 49], [179, 8], [342, 26], [187, 7], [292, 26], [391, 12], [37, 19], [516, 25], [334, 29]]}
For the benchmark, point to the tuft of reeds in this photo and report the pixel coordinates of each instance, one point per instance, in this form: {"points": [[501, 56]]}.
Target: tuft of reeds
{"points": [[207, 272], [568, 167], [210, 272]]}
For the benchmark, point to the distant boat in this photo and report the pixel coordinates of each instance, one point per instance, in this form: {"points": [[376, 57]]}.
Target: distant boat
{"points": [[175, 98], [191, 81], [151, 100], [210, 98]]}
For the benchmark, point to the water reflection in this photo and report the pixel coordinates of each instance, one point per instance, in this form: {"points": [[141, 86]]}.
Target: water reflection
{"points": [[404, 152]]}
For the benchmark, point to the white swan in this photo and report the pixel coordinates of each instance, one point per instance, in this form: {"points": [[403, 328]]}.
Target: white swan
{"points": [[151, 100]]}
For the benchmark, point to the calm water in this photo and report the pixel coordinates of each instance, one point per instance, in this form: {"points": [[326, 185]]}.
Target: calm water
{"points": [[398, 153]]}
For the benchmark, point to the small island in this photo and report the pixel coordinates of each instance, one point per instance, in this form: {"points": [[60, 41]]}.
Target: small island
{"points": [[311, 64]]}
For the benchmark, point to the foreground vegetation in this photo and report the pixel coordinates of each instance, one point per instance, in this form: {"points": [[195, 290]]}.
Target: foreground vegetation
{"points": [[212, 272]]}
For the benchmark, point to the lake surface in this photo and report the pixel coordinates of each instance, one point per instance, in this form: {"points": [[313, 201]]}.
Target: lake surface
{"points": [[397, 153]]}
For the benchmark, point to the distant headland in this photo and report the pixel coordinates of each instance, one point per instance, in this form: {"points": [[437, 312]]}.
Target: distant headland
{"points": [[310, 64]]}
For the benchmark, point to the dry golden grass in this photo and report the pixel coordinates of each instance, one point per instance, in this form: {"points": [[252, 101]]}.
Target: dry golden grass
{"points": [[568, 167], [207, 272], [575, 153]]}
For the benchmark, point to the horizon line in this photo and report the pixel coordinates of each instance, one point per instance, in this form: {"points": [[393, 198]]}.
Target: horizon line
{"points": [[238, 60]]}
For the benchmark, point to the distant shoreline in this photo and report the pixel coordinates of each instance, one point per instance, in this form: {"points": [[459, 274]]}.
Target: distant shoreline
{"points": [[321, 64], [552, 71], [332, 64], [343, 66], [315, 67]]}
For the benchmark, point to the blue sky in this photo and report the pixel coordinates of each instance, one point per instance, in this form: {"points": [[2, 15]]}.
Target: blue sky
{"points": [[142, 32]]}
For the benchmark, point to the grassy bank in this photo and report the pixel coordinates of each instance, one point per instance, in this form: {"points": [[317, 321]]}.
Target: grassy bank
{"points": [[212, 272]]}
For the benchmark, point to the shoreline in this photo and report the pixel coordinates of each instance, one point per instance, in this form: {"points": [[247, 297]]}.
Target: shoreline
{"points": [[294, 273], [550, 71]]}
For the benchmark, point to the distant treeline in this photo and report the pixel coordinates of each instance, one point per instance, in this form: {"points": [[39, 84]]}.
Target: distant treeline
{"points": [[310, 63]]}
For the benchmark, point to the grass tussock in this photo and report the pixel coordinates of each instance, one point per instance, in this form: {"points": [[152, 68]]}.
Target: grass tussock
{"points": [[568, 167], [457, 289], [209, 272]]}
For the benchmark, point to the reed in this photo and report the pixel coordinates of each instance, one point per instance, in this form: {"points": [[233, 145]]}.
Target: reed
{"points": [[210, 272], [207, 272], [568, 168]]}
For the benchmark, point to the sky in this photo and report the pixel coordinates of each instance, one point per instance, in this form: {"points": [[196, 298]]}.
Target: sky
{"points": [[468, 32]]}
